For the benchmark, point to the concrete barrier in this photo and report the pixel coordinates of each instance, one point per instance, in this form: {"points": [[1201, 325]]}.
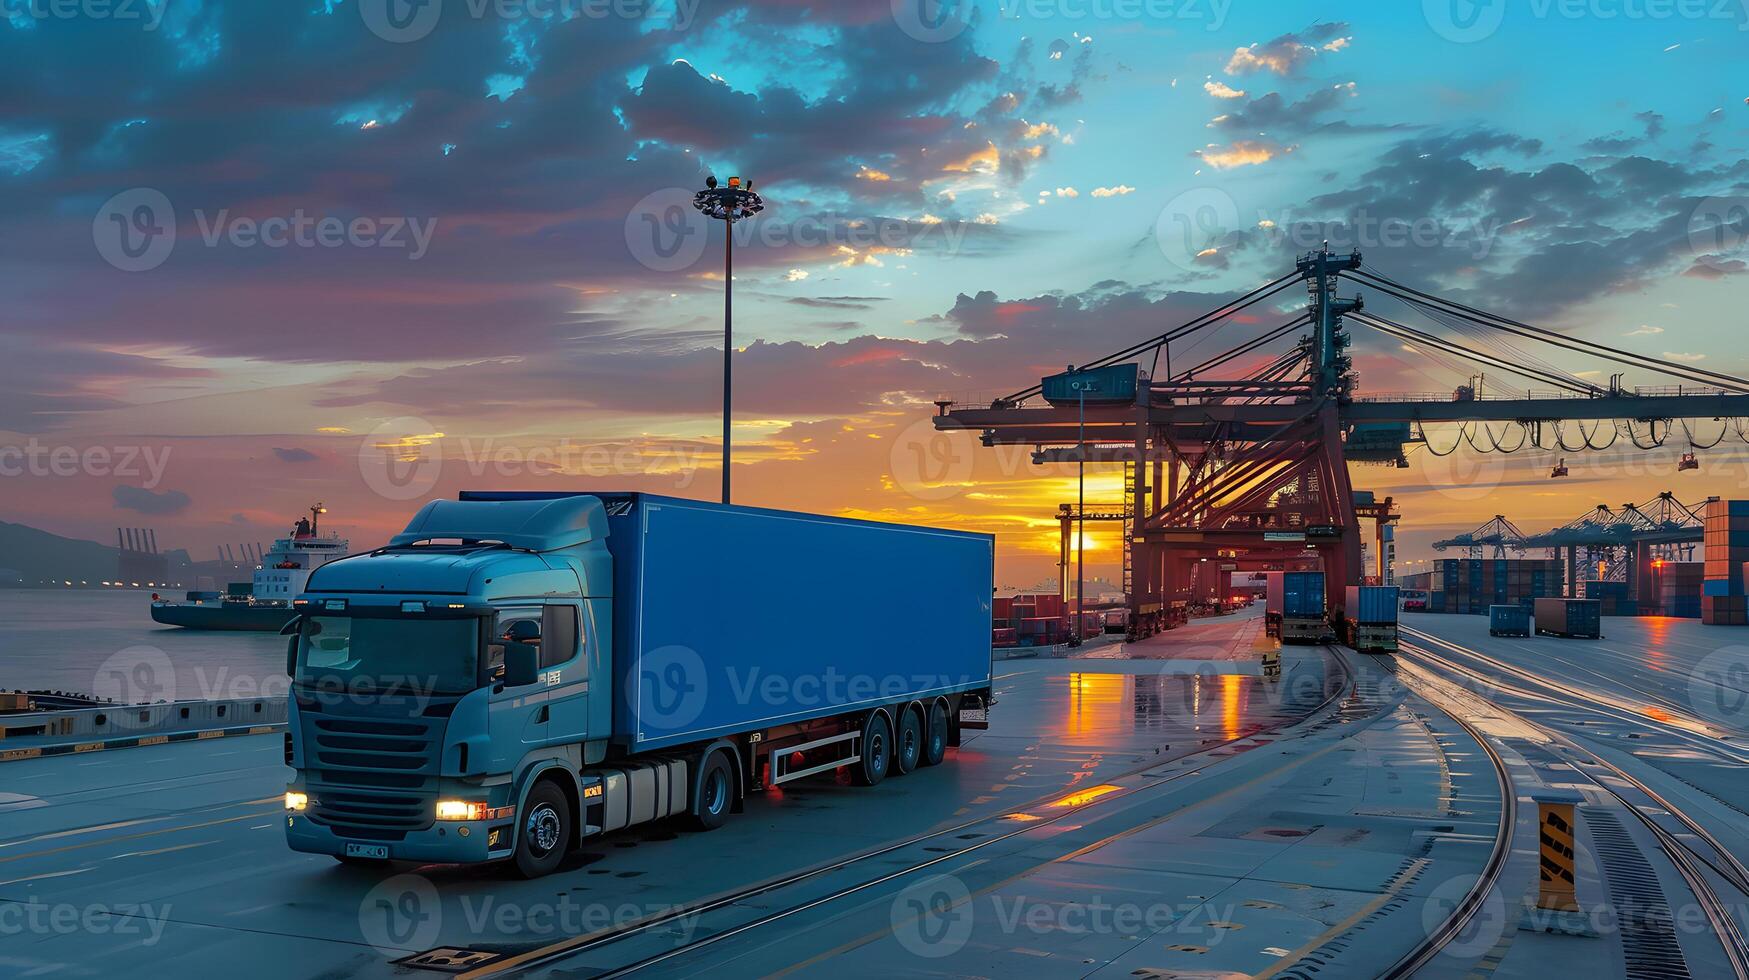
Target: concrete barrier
{"points": [[38, 733]]}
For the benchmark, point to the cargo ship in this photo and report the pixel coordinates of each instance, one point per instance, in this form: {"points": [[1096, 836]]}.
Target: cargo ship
{"points": [[265, 603]]}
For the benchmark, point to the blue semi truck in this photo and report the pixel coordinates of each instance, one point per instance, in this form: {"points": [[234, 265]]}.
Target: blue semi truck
{"points": [[517, 672]]}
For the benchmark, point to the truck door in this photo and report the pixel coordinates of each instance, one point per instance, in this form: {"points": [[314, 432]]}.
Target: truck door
{"points": [[524, 710], [565, 671]]}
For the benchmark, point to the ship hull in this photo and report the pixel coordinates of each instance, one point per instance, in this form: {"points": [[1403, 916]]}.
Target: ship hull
{"points": [[222, 616]]}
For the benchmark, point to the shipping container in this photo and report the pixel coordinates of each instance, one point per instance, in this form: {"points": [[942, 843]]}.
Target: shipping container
{"points": [[1569, 617], [1372, 604], [1508, 620]]}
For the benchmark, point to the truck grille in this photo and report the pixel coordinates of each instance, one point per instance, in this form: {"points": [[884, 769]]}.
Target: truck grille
{"points": [[372, 778]]}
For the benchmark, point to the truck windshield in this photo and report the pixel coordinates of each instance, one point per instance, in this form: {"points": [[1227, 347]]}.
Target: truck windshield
{"points": [[382, 655]]}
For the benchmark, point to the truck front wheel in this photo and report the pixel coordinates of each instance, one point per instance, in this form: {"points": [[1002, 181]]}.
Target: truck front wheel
{"points": [[716, 793], [546, 831], [877, 751]]}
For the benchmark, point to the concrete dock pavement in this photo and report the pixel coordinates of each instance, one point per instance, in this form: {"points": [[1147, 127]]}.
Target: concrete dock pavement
{"points": [[172, 858]]}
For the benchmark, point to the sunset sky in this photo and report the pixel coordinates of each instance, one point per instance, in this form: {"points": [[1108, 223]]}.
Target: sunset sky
{"points": [[267, 251]]}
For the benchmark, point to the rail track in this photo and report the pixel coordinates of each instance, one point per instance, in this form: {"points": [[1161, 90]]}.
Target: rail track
{"points": [[651, 926], [1689, 846]]}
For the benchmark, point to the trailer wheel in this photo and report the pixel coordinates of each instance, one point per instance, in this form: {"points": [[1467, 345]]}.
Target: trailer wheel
{"points": [[935, 736], [877, 751], [908, 744], [545, 832], [716, 793]]}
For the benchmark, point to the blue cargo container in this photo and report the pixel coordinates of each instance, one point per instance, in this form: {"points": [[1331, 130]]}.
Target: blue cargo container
{"points": [[1302, 594], [690, 575], [1506, 620], [1374, 605], [1721, 587]]}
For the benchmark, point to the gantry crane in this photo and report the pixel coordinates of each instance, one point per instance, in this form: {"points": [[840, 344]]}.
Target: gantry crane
{"points": [[1498, 534], [1257, 465]]}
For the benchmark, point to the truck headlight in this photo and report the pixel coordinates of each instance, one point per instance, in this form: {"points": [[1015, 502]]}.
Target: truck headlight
{"points": [[296, 801], [460, 810]]}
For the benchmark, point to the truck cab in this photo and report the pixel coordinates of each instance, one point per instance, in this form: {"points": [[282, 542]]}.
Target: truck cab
{"points": [[435, 678]]}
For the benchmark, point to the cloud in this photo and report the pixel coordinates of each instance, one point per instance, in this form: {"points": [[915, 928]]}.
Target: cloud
{"points": [[1241, 153], [148, 502], [294, 455], [1117, 191], [1684, 358], [795, 275], [1222, 90], [1289, 53], [1644, 330]]}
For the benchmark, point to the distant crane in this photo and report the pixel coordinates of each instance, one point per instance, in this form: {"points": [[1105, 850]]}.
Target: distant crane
{"points": [[1498, 534]]}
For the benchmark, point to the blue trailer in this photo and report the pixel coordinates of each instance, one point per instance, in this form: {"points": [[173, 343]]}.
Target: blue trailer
{"points": [[516, 672]]}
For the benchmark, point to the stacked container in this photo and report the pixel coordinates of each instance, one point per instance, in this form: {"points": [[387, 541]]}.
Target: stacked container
{"points": [[1471, 585], [1679, 585], [1722, 601], [1613, 598]]}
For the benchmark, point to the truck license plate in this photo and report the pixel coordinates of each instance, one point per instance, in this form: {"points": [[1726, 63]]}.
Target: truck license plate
{"points": [[378, 851], [974, 718]]}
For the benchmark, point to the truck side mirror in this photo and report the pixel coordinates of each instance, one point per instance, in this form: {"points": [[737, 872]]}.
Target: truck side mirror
{"points": [[291, 631], [521, 664]]}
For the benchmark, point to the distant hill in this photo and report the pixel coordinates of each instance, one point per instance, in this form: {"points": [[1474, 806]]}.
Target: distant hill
{"points": [[31, 555]]}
